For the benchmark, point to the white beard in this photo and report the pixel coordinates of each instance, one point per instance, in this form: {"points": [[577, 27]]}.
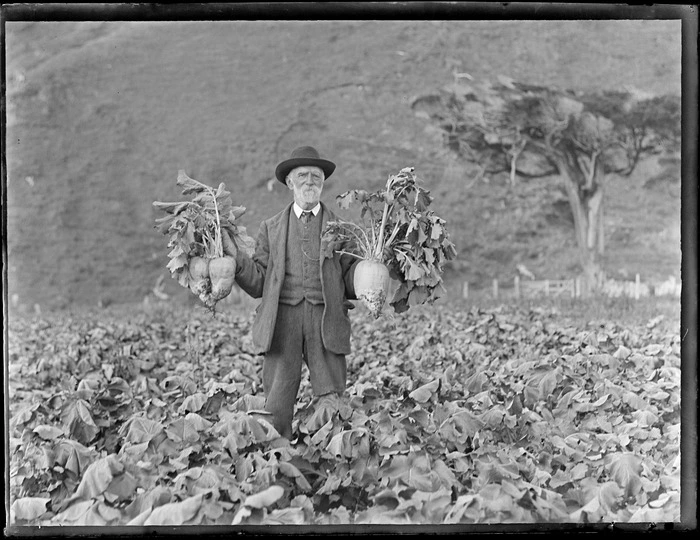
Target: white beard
{"points": [[307, 195]]}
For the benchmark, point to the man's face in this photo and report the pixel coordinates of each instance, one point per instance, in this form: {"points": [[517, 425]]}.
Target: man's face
{"points": [[307, 183]]}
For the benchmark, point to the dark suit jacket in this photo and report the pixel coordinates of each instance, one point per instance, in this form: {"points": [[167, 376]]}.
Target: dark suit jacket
{"points": [[262, 276]]}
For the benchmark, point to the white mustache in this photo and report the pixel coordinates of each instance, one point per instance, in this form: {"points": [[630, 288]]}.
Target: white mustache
{"points": [[310, 189]]}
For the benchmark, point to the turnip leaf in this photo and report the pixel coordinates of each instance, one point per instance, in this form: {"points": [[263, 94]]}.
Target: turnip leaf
{"points": [[28, 508]]}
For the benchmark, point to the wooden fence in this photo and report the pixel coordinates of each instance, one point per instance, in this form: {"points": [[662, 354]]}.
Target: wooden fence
{"points": [[547, 287]]}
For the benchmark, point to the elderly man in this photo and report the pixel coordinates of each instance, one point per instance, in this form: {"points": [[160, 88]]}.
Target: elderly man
{"points": [[303, 315]]}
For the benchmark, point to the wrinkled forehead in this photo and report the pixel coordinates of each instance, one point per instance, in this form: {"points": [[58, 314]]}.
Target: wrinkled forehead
{"points": [[307, 169]]}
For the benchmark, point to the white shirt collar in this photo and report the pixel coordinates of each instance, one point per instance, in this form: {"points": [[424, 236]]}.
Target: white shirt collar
{"points": [[298, 209]]}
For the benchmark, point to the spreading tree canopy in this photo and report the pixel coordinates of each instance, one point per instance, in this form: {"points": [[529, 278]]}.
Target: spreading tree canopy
{"points": [[581, 137]]}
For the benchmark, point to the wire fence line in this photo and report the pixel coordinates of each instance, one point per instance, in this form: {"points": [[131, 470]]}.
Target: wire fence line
{"points": [[573, 287]]}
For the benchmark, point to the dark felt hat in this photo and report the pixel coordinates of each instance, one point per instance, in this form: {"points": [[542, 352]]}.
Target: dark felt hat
{"points": [[304, 155]]}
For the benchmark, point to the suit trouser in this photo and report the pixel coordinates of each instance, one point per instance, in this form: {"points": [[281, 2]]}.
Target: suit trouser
{"points": [[296, 339]]}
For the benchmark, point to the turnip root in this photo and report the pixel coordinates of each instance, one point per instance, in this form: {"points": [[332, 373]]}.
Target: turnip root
{"points": [[199, 275], [371, 282], [207, 300], [222, 272]]}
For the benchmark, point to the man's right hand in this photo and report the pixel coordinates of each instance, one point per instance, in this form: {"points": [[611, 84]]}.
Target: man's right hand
{"points": [[228, 244]]}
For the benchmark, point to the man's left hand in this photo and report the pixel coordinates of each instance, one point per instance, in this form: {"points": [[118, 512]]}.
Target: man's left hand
{"points": [[387, 253]]}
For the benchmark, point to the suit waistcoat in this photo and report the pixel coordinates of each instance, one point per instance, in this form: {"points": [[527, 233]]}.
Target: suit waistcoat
{"points": [[302, 277]]}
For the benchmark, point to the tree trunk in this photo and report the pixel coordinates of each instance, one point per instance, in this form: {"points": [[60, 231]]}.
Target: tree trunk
{"points": [[586, 201]]}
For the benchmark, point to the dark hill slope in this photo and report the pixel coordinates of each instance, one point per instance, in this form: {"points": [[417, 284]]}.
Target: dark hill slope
{"points": [[102, 115]]}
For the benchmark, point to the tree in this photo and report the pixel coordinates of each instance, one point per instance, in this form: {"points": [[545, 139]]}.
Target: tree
{"points": [[534, 131]]}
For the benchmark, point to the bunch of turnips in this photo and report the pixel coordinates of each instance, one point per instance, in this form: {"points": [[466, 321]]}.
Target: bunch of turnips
{"points": [[397, 237], [196, 228]]}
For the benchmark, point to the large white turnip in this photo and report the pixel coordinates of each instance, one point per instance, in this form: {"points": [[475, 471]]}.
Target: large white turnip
{"points": [[371, 282]]}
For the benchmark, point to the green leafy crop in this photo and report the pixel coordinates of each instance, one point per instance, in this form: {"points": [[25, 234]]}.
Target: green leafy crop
{"points": [[451, 416]]}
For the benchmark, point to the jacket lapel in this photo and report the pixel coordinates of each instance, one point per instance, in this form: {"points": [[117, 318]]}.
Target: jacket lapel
{"points": [[278, 238]]}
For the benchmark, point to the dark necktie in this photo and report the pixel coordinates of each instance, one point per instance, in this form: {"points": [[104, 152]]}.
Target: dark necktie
{"points": [[305, 216]]}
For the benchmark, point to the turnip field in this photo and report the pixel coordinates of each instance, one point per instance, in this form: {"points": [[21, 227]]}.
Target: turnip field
{"points": [[509, 414]]}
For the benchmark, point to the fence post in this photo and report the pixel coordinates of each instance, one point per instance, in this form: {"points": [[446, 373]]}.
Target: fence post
{"points": [[465, 290], [573, 288], [546, 287], [636, 287], [495, 288], [516, 286]]}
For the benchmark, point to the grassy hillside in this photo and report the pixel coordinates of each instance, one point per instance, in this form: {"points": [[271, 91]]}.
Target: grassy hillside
{"points": [[100, 117]]}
